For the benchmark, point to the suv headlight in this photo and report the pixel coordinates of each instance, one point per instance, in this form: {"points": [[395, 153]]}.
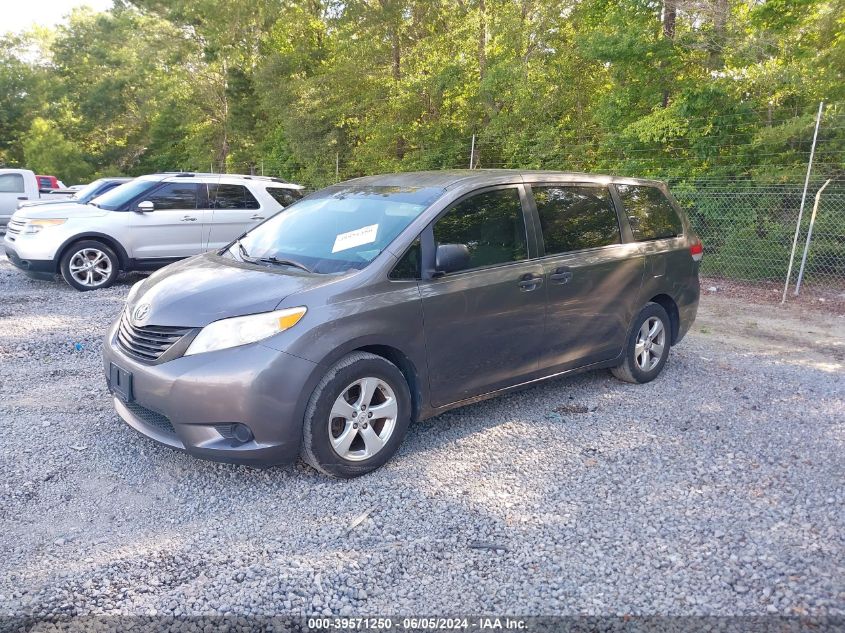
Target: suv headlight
{"points": [[34, 226], [242, 330]]}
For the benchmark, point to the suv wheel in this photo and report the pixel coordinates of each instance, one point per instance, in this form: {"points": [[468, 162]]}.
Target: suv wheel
{"points": [[89, 265], [357, 416], [648, 346]]}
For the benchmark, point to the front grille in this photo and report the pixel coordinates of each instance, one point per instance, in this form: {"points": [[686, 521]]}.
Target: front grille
{"points": [[151, 418], [149, 342], [14, 228]]}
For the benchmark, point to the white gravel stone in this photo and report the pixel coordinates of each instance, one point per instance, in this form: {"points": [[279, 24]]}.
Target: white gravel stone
{"points": [[717, 489]]}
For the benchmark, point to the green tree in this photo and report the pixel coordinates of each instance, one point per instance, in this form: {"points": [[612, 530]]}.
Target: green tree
{"points": [[47, 151]]}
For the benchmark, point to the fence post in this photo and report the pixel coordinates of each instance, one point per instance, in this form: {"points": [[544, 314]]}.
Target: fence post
{"points": [[336, 166], [472, 152], [803, 198], [809, 236]]}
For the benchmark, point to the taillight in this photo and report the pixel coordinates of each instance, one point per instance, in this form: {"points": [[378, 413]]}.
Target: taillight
{"points": [[696, 249]]}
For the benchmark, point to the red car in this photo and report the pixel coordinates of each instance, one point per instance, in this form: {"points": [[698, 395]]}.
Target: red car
{"points": [[48, 183]]}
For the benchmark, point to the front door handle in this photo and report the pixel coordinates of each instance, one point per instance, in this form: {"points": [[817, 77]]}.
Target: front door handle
{"points": [[530, 282], [189, 218], [257, 217], [561, 276]]}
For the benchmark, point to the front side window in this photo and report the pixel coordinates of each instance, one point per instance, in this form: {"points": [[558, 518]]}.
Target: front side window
{"points": [[284, 196], [231, 197], [490, 224], [11, 183], [650, 213], [175, 195], [337, 229], [575, 217]]}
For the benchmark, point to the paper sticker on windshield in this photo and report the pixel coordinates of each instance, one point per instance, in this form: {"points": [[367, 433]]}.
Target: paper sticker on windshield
{"points": [[358, 237]]}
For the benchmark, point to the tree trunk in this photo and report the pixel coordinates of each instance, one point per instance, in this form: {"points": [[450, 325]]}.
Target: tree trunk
{"points": [[716, 59], [670, 14], [396, 53], [486, 101]]}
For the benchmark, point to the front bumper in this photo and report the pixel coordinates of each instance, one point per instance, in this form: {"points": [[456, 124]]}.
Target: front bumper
{"points": [[190, 403], [35, 268]]}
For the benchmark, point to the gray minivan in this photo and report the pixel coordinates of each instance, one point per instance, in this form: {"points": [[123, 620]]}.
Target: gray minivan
{"points": [[327, 329]]}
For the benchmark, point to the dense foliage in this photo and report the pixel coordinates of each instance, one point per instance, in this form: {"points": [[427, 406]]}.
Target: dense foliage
{"points": [[300, 88]]}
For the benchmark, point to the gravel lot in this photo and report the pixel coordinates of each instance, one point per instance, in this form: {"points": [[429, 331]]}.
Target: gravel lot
{"points": [[717, 489]]}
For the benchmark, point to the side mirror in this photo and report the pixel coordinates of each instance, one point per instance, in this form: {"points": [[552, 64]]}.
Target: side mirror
{"points": [[146, 206], [451, 258]]}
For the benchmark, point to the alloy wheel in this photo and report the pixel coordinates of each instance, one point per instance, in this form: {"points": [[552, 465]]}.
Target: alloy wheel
{"points": [[90, 267], [651, 343], [362, 419]]}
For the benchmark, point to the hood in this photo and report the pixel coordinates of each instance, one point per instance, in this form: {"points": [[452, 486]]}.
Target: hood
{"points": [[196, 291], [60, 210], [41, 203]]}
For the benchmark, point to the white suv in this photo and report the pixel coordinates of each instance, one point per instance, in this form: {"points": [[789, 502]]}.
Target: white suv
{"points": [[143, 224]]}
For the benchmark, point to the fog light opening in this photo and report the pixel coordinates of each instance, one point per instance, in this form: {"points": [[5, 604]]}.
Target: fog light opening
{"points": [[242, 433]]}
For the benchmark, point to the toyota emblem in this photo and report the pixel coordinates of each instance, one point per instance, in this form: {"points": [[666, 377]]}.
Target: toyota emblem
{"points": [[141, 313]]}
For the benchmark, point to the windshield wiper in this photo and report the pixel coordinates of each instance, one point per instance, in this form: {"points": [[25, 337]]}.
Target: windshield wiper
{"points": [[244, 254], [284, 262]]}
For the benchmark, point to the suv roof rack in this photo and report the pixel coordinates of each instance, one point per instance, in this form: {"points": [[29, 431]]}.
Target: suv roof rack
{"points": [[190, 174]]}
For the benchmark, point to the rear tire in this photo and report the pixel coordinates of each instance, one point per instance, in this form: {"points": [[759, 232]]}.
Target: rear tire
{"points": [[89, 265], [356, 417], [647, 348]]}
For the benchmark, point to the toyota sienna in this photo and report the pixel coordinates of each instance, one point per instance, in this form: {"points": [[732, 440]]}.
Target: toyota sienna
{"points": [[329, 328]]}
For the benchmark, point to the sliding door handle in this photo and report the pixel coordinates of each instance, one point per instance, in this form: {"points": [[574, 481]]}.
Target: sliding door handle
{"points": [[530, 282], [561, 276]]}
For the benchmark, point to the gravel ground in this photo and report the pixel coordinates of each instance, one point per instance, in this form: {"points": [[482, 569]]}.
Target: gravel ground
{"points": [[717, 489]]}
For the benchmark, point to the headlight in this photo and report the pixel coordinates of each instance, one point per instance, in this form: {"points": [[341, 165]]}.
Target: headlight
{"points": [[242, 330], [34, 226]]}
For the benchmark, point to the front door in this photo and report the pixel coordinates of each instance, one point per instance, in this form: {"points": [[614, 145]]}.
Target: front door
{"points": [[484, 324], [234, 210], [174, 229], [592, 278]]}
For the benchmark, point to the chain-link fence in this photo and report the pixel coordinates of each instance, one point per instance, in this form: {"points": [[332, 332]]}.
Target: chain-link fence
{"points": [[748, 230]]}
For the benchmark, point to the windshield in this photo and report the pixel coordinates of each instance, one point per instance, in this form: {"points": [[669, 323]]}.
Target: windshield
{"points": [[120, 195], [336, 229], [87, 192]]}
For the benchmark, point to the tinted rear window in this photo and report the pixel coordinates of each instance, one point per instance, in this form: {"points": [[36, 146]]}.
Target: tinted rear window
{"points": [[284, 196], [231, 197], [650, 213], [574, 217]]}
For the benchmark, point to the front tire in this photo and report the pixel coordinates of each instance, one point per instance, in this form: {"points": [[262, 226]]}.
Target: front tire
{"points": [[356, 417], [648, 345], [89, 265]]}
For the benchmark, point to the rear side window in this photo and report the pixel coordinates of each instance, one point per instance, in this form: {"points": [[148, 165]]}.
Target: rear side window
{"points": [[491, 225], [650, 213], [11, 183], [284, 196], [574, 217], [174, 195], [231, 197]]}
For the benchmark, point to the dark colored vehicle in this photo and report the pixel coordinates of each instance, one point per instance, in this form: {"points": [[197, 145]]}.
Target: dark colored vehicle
{"points": [[326, 330], [83, 195]]}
